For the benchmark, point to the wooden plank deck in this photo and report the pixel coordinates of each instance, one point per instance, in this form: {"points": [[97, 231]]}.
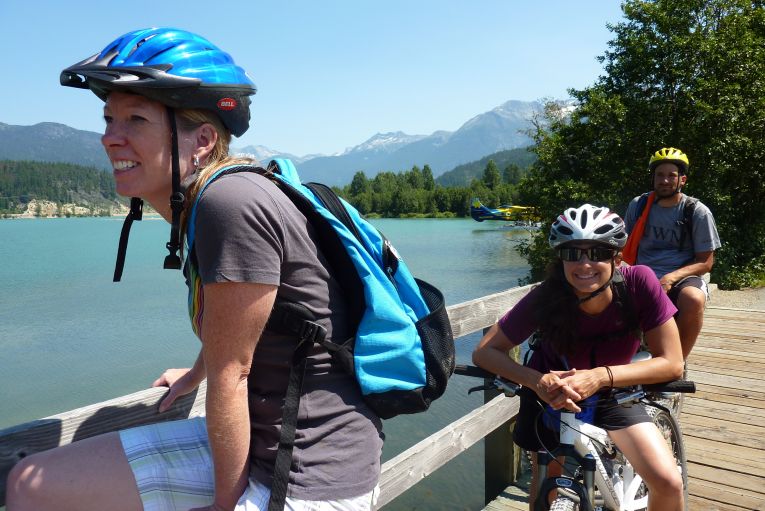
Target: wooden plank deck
{"points": [[723, 423]]}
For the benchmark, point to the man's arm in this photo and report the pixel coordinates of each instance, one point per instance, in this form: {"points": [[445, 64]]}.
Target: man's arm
{"points": [[702, 264]]}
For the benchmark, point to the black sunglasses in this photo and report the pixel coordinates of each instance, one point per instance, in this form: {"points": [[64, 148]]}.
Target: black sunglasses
{"points": [[594, 254]]}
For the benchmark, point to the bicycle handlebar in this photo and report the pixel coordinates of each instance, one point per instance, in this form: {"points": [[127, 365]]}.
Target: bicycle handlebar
{"points": [[672, 386], [477, 372], [684, 386]]}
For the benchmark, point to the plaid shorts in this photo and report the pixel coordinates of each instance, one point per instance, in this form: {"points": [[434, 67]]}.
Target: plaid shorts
{"points": [[171, 463], [173, 470]]}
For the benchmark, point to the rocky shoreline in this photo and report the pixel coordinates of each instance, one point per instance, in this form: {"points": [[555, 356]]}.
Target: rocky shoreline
{"points": [[48, 209]]}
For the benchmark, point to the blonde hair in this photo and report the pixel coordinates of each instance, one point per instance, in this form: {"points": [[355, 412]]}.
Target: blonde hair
{"points": [[189, 120]]}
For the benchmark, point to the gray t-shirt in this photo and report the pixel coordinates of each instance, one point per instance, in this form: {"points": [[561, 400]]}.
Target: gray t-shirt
{"points": [[247, 230], [660, 246]]}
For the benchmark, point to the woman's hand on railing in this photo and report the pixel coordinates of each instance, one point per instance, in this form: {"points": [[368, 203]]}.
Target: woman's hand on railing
{"points": [[180, 381]]}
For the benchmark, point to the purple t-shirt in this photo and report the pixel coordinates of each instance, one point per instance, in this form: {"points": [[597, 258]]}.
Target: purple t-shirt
{"points": [[652, 307]]}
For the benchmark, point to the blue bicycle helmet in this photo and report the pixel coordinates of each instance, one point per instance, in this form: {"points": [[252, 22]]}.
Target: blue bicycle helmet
{"points": [[175, 67], [180, 70]]}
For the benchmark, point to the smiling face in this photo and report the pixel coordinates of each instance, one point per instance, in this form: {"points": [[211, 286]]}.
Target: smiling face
{"points": [[584, 275], [137, 141], [667, 180]]}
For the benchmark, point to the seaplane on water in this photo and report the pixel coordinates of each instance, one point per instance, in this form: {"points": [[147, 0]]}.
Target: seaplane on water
{"points": [[521, 215]]}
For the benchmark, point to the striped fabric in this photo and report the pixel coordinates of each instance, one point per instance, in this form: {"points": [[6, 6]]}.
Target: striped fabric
{"points": [[171, 463], [196, 299]]}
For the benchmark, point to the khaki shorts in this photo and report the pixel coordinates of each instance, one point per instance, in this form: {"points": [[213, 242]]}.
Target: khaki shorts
{"points": [[172, 465]]}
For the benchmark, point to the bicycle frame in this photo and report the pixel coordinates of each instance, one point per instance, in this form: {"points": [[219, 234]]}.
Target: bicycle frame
{"points": [[579, 439], [620, 487]]}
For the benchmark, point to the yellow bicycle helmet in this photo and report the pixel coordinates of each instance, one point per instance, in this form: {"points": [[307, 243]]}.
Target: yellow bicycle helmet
{"points": [[669, 155]]}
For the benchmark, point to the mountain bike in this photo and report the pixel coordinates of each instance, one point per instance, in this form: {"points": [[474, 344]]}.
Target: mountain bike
{"points": [[597, 475]]}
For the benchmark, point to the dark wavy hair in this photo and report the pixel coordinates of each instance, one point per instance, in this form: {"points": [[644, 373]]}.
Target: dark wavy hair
{"points": [[556, 309]]}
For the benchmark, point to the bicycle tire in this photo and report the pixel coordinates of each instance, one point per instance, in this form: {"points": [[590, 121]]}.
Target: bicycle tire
{"points": [[563, 504], [670, 430]]}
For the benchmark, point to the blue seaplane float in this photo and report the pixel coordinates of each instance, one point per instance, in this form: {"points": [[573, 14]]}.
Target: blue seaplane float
{"points": [[519, 215]]}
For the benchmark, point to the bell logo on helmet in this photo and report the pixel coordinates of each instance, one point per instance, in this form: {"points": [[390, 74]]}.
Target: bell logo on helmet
{"points": [[227, 104]]}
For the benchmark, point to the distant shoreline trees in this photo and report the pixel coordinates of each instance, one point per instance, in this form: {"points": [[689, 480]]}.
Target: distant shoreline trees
{"points": [[416, 193], [412, 193], [58, 183]]}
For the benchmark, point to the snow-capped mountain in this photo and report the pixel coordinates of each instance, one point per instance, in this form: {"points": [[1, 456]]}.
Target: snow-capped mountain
{"points": [[503, 127], [384, 142]]}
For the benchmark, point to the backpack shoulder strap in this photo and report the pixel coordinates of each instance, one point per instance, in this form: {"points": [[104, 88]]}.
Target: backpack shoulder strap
{"points": [[688, 209], [641, 204], [626, 302]]}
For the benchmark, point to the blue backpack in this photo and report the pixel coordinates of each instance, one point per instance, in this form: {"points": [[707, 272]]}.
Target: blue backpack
{"points": [[402, 354]]}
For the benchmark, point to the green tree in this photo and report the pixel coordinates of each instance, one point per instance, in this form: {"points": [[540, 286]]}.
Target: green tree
{"points": [[491, 176], [512, 174], [415, 179], [359, 184], [429, 183], [683, 73]]}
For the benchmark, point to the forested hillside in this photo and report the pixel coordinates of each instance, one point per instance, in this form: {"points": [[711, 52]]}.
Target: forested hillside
{"points": [[61, 183], [512, 162]]}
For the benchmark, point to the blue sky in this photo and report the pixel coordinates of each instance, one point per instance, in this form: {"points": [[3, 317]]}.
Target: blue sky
{"points": [[330, 74]]}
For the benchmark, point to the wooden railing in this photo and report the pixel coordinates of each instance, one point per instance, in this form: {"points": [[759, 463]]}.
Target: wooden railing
{"points": [[492, 420]]}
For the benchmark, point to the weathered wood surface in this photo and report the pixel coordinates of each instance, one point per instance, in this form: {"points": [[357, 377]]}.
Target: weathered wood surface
{"points": [[416, 463], [140, 408], [124, 412], [723, 423]]}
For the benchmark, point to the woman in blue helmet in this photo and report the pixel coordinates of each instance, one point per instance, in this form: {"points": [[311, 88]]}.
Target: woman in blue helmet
{"points": [[172, 100]]}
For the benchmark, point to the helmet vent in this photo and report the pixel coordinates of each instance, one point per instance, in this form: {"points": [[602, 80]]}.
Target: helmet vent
{"points": [[583, 221], [603, 229], [565, 230]]}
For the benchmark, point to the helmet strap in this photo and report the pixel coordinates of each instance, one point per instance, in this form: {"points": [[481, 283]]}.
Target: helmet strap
{"points": [[135, 213], [172, 260]]}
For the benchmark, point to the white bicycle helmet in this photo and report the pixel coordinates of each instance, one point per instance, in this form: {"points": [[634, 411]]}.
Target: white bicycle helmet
{"points": [[588, 222]]}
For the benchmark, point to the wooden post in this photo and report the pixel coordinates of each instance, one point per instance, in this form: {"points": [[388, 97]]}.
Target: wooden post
{"points": [[501, 457]]}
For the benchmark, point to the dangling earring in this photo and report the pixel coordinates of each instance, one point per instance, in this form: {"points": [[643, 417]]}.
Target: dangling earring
{"points": [[195, 161]]}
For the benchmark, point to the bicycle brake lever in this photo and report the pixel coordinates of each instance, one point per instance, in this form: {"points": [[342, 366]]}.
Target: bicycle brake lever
{"points": [[480, 387]]}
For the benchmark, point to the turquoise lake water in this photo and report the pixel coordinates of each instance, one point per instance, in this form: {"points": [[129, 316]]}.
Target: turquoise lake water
{"points": [[70, 337]]}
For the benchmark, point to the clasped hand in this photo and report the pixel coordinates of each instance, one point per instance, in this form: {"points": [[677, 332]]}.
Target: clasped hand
{"points": [[562, 389]]}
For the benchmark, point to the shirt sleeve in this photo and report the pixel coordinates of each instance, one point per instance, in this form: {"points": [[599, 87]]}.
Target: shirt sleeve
{"points": [[239, 232], [705, 236], [653, 305], [518, 323], [630, 216]]}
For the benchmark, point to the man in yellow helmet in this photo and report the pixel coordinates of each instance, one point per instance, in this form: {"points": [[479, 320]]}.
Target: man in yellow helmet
{"points": [[678, 240]]}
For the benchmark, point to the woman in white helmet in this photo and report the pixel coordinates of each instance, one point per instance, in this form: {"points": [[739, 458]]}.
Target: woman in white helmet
{"points": [[587, 316]]}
